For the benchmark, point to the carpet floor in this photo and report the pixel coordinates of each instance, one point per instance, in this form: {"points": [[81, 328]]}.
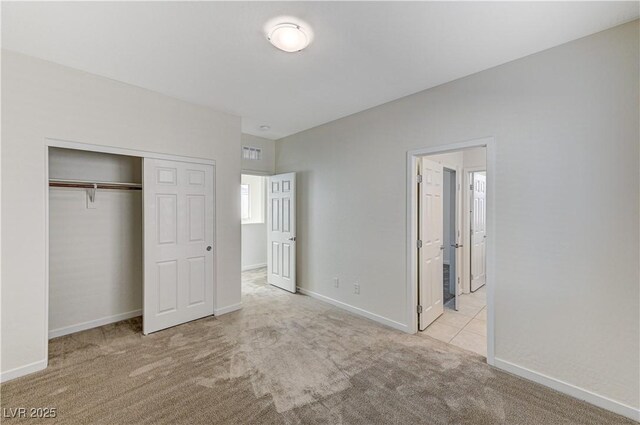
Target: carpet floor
{"points": [[282, 359]]}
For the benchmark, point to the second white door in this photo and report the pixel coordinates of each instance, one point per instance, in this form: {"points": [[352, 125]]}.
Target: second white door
{"points": [[478, 231], [281, 231]]}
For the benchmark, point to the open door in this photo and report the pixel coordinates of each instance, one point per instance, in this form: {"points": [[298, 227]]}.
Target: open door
{"points": [[478, 231], [178, 243], [458, 239], [281, 231], [431, 248]]}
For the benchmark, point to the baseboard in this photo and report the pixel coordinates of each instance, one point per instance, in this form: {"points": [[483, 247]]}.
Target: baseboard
{"points": [[356, 310], [253, 267], [569, 389], [55, 333], [23, 370], [227, 309]]}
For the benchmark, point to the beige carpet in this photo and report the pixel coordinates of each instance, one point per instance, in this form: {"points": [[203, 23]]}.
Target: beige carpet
{"points": [[283, 359]]}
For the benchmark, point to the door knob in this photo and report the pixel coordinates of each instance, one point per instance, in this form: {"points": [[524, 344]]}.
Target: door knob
{"points": [[292, 239], [209, 248]]}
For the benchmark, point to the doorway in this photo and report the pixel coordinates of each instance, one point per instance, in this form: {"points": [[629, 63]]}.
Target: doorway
{"points": [[253, 214], [95, 236], [451, 223]]}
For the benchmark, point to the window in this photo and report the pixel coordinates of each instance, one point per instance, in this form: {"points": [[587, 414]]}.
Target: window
{"points": [[251, 153], [252, 199], [245, 202]]}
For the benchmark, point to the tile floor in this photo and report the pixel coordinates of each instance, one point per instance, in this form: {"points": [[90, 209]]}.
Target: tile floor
{"points": [[465, 328]]}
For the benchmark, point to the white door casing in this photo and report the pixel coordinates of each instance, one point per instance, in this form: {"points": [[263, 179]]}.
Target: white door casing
{"points": [[178, 243], [281, 231], [430, 254], [478, 230]]}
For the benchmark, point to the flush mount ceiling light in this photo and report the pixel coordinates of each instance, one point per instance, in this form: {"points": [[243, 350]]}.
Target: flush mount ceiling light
{"points": [[289, 37], [265, 127]]}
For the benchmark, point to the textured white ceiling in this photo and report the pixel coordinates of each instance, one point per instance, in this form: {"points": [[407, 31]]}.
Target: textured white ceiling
{"points": [[363, 54]]}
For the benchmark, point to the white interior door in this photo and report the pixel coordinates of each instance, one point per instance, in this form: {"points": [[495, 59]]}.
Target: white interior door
{"points": [[458, 240], [478, 231], [178, 243], [281, 231], [431, 236]]}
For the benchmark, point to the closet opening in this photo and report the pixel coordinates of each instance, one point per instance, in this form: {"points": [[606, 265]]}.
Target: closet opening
{"points": [[95, 240]]}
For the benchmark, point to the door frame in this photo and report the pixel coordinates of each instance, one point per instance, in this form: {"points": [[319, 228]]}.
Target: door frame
{"points": [[466, 226], [266, 175], [412, 231], [66, 144]]}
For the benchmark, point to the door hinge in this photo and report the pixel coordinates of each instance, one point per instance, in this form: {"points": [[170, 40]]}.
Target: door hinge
{"points": [[419, 309], [419, 243], [419, 178]]}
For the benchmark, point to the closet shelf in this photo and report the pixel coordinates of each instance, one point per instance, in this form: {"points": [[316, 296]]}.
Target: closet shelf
{"points": [[94, 184]]}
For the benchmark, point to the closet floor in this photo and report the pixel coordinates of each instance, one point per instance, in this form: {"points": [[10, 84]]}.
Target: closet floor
{"points": [[283, 358]]}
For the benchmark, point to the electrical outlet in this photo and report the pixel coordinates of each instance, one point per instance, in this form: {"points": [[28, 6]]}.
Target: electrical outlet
{"points": [[336, 282], [356, 288]]}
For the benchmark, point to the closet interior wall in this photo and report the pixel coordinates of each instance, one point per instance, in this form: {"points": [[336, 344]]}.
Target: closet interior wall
{"points": [[95, 248]]}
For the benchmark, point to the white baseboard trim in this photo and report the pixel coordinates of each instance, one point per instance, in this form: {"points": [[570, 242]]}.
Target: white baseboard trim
{"points": [[23, 370], [54, 333], [253, 267], [356, 310], [569, 389], [228, 309]]}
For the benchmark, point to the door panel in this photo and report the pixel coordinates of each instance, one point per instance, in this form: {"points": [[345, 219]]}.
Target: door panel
{"points": [[196, 217], [178, 229], [167, 286], [431, 234], [458, 239], [281, 216], [478, 231], [167, 219], [197, 280]]}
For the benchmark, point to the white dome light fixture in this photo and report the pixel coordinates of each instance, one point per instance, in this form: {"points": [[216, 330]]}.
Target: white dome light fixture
{"points": [[289, 37]]}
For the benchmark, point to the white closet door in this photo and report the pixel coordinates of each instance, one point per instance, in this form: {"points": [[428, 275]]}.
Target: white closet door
{"points": [[281, 233], [178, 243], [479, 231], [431, 234]]}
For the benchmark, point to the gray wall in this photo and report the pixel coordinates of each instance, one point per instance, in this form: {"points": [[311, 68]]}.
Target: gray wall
{"points": [[565, 122], [42, 100], [267, 164]]}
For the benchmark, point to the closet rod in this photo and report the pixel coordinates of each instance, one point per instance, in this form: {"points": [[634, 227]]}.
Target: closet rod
{"points": [[94, 185]]}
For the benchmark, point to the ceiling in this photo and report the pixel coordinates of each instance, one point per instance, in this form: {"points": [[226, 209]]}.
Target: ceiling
{"points": [[363, 54]]}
